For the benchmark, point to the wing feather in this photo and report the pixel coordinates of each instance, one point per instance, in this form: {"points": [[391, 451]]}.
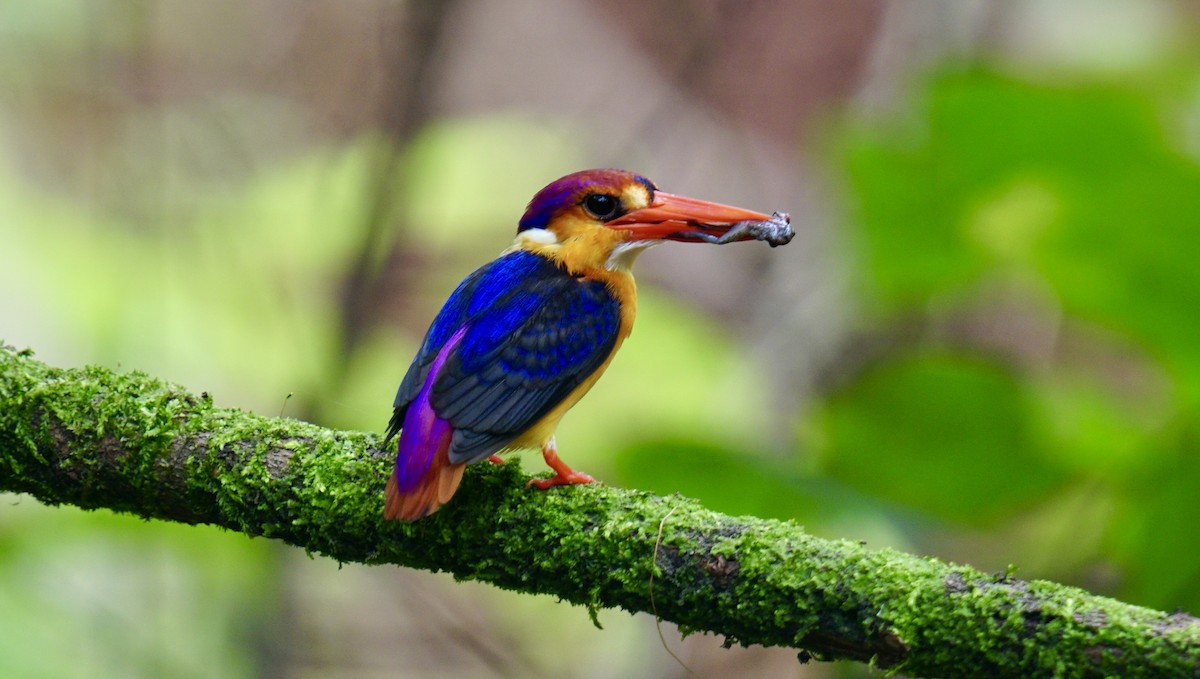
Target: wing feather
{"points": [[522, 357], [533, 333]]}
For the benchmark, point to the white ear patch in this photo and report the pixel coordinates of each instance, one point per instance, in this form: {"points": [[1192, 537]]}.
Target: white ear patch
{"points": [[538, 236], [531, 239]]}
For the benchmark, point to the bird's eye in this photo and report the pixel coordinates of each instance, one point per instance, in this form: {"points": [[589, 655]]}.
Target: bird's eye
{"points": [[602, 206]]}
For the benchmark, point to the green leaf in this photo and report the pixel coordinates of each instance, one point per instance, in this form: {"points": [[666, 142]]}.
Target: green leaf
{"points": [[1156, 535], [942, 433], [1078, 188]]}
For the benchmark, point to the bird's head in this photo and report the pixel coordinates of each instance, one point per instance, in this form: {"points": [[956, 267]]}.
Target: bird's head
{"points": [[603, 218]]}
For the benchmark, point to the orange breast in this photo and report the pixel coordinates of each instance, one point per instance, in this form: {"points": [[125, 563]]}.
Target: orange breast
{"points": [[623, 288]]}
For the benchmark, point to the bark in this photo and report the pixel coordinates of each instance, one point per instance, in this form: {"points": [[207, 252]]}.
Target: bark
{"points": [[131, 443]]}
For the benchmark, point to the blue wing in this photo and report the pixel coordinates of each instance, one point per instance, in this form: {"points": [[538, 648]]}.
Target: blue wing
{"points": [[533, 334]]}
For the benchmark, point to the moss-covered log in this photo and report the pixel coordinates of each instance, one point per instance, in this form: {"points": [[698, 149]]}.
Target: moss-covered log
{"points": [[131, 443]]}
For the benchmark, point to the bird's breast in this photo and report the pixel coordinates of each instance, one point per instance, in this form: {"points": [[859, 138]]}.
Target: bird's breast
{"points": [[621, 286], [624, 291]]}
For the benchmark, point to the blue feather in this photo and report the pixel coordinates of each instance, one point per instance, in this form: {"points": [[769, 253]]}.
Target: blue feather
{"points": [[531, 332]]}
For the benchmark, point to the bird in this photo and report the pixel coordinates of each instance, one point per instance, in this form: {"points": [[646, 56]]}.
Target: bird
{"points": [[524, 337]]}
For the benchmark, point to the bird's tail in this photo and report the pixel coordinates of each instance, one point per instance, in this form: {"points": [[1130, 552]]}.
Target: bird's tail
{"points": [[431, 490], [424, 478]]}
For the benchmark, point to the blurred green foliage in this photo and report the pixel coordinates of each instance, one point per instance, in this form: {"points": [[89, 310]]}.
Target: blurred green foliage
{"points": [[949, 435], [1024, 255], [1027, 253], [1083, 189], [1076, 208], [93, 594]]}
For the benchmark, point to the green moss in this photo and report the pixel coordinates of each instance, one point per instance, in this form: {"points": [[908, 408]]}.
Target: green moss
{"points": [[131, 443]]}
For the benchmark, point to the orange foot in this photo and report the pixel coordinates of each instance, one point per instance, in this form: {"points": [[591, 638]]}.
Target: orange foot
{"points": [[571, 479], [563, 475]]}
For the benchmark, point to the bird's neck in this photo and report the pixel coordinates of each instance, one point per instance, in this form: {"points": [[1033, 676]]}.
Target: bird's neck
{"points": [[603, 256], [583, 254]]}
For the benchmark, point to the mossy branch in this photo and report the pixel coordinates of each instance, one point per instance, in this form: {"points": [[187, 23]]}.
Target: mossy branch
{"points": [[131, 443]]}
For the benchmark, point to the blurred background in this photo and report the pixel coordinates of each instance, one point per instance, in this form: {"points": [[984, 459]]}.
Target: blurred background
{"points": [[983, 344]]}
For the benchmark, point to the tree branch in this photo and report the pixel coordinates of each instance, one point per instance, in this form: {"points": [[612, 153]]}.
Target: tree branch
{"points": [[131, 443]]}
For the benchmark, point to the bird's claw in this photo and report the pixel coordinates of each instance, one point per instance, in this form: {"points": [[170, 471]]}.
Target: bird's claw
{"points": [[572, 479]]}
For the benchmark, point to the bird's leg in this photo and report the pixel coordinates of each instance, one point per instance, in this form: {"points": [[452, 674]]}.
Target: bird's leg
{"points": [[564, 475], [495, 459]]}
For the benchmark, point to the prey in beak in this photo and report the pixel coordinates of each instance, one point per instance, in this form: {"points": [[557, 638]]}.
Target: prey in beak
{"points": [[678, 218]]}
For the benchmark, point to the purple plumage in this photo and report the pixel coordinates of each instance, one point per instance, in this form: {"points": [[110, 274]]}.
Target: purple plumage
{"points": [[513, 340], [424, 479], [561, 193]]}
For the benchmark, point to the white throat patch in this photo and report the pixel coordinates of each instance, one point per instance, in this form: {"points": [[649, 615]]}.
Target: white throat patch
{"points": [[621, 258]]}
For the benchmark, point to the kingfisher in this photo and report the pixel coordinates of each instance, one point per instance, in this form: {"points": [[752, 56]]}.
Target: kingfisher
{"points": [[524, 337]]}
